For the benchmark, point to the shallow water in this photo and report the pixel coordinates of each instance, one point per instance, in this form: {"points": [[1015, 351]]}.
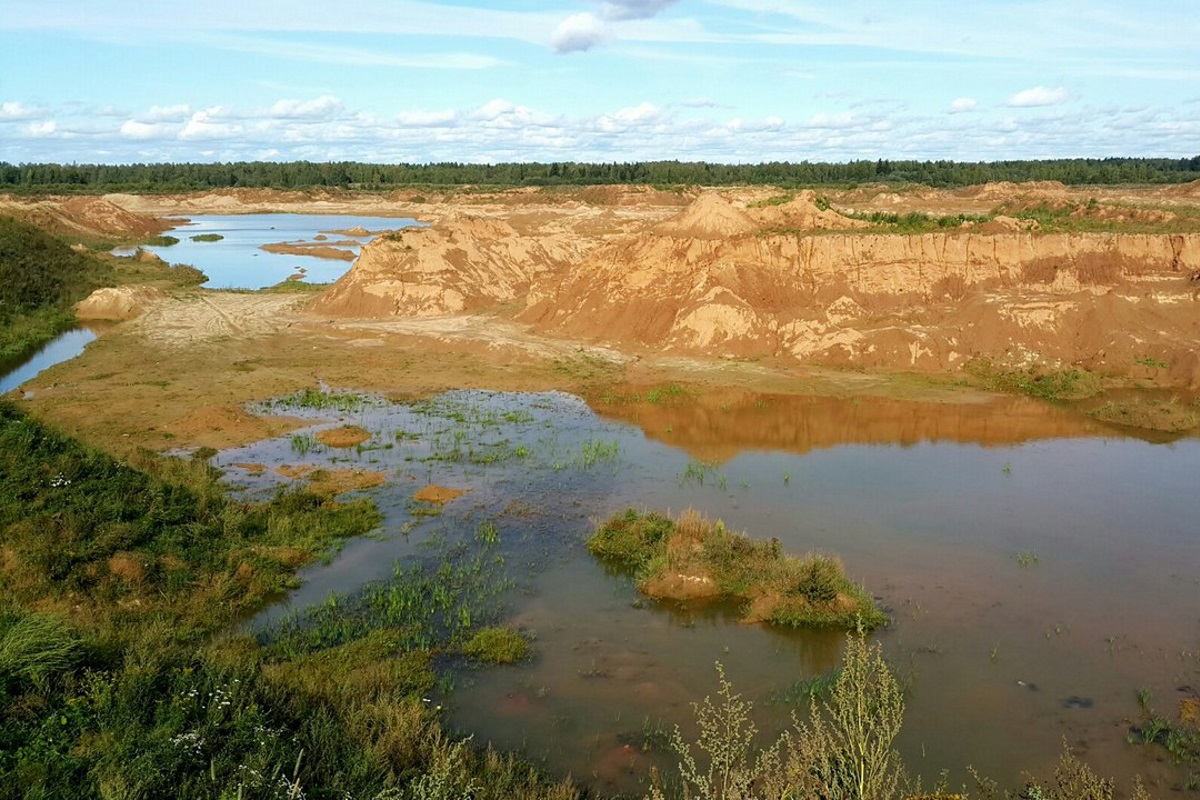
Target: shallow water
{"points": [[61, 348], [1039, 568], [237, 262]]}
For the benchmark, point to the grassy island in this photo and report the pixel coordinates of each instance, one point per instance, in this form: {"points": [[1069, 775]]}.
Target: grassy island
{"points": [[695, 558]]}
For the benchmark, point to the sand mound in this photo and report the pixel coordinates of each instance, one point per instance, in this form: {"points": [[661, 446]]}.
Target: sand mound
{"points": [[463, 264], [710, 216], [927, 301], [803, 212], [438, 495], [91, 217], [1006, 190], [119, 302], [345, 436]]}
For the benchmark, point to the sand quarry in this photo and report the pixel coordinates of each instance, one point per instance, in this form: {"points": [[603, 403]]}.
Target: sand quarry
{"points": [[582, 287]]}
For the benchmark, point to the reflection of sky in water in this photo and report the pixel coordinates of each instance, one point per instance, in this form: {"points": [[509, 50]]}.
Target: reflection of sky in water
{"points": [[236, 261], [62, 348], [933, 527]]}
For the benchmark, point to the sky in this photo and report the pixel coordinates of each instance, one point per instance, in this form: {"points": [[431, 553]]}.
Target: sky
{"points": [[732, 81]]}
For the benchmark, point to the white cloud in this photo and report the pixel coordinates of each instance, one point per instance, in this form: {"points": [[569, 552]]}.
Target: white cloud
{"points": [[634, 9], [643, 112], [41, 129], [208, 124], [320, 108], [962, 105], [1038, 97], [175, 113], [831, 121], [10, 112], [427, 119], [577, 33], [132, 129], [701, 102], [494, 109]]}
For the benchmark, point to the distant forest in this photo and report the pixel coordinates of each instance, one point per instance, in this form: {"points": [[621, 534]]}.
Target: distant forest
{"points": [[91, 178]]}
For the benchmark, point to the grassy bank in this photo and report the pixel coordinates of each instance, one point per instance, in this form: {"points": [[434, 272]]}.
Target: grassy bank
{"points": [[120, 673], [694, 558], [41, 277]]}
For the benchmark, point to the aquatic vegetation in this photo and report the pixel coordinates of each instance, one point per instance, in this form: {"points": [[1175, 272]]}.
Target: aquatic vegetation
{"points": [[594, 451], [694, 558], [497, 645], [325, 400]]}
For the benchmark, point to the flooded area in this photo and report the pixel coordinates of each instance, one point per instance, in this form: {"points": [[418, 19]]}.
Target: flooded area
{"points": [[1038, 568], [63, 347], [321, 246]]}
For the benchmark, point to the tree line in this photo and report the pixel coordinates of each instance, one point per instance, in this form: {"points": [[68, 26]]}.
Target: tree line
{"points": [[91, 178]]}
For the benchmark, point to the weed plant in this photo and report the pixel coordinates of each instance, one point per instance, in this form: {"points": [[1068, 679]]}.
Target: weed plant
{"points": [[842, 751], [1064, 384]]}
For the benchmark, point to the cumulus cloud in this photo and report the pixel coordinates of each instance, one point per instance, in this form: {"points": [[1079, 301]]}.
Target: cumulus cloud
{"points": [[577, 33], [11, 112], [1038, 97], [207, 124], [133, 129], [175, 113], [40, 129], [322, 107], [426, 119], [634, 9], [962, 105], [643, 112]]}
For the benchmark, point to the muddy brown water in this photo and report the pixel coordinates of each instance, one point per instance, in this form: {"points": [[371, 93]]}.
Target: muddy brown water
{"points": [[1039, 568]]}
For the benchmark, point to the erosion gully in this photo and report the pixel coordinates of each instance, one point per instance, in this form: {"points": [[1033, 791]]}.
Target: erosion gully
{"points": [[1039, 568]]}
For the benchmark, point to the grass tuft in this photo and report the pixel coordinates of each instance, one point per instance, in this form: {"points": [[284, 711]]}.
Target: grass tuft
{"points": [[694, 558]]}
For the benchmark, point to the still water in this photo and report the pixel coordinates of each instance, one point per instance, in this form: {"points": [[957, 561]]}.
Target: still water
{"points": [[237, 261], [1038, 568], [63, 347]]}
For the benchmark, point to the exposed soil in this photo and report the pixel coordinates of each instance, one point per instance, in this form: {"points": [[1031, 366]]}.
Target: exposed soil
{"points": [[345, 436], [331, 250], [438, 495], [333, 481], [592, 289]]}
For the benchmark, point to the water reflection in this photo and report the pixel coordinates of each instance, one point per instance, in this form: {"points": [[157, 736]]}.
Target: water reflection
{"points": [[929, 505], [64, 347], [714, 426]]}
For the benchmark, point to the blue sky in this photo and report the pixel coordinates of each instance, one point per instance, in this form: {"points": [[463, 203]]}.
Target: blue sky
{"points": [[119, 81]]}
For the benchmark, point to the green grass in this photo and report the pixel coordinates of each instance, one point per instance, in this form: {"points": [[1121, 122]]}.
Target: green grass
{"points": [[207, 237], [695, 558], [497, 645], [41, 277], [119, 584], [162, 241], [1039, 382]]}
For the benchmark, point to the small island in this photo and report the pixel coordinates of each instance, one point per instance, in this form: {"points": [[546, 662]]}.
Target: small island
{"points": [[693, 558]]}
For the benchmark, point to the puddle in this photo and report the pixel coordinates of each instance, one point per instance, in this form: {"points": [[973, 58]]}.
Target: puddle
{"points": [[62, 348], [1016, 545]]}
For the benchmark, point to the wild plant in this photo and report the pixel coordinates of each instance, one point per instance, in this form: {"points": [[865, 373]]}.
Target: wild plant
{"points": [[844, 751]]}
